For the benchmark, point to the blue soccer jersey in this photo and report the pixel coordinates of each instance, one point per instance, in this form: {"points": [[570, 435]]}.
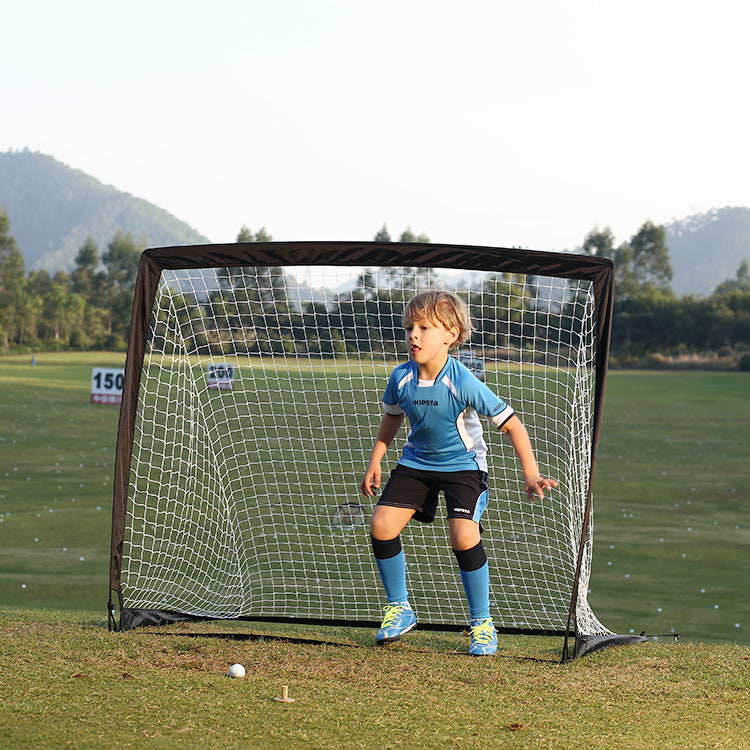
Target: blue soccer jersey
{"points": [[445, 434]]}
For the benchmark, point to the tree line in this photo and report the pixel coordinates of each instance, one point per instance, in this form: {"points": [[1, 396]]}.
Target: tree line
{"points": [[649, 319], [90, 307]]}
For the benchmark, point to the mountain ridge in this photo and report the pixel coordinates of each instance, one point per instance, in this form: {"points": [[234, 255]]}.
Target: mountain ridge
{"points": [[53, 208], [706, 249]]}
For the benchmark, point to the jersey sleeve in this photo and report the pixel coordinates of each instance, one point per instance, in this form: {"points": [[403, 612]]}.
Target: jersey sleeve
{"points": [[502, 416], [485, 401], [390, 397]]}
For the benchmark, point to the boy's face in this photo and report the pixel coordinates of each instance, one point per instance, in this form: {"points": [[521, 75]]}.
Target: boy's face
{"points": [[428, 343]]}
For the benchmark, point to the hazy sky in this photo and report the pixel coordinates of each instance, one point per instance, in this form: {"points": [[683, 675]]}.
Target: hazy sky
{"points": [[473, 121]]}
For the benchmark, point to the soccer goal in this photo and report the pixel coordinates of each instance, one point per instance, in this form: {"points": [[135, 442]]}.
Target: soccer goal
{"points": [[252, 395]]}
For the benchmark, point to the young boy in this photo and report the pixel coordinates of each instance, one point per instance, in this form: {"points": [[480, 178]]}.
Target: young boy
{"points": [[445, 451]]}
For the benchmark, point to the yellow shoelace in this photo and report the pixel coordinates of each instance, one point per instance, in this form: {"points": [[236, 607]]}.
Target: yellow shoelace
{"points": [[483, 633], [392, 613]]}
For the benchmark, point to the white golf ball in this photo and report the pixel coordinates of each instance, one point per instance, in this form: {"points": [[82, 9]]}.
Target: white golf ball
{"points": [[236, 670]]}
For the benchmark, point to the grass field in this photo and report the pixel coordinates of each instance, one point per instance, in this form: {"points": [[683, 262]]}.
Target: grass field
{"points": [[670, 553], [66, 681], [671, 530], [672, 536]]}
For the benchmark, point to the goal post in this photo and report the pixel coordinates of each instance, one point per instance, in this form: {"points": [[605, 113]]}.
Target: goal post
{"points": [[252, 393]]}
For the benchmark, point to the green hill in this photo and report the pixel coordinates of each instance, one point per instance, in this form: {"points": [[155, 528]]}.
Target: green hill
{"points": [[708, 248], [53, 209]]}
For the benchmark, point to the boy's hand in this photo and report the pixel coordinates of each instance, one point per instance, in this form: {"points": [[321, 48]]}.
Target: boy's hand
{"points": [[371, 481], [538, 486]]}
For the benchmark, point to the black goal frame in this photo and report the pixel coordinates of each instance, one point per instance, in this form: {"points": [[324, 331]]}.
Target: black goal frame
{"points": [[599, 271]]}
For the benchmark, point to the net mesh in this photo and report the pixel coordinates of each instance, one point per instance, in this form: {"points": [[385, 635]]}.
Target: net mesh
{"points": [[259, 401]]}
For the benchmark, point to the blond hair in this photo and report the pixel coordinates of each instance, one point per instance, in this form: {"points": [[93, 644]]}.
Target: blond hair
{"points": [[444, 308]]}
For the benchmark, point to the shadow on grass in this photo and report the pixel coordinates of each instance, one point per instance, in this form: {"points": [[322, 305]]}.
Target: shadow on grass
{"points": [[322, 642]]}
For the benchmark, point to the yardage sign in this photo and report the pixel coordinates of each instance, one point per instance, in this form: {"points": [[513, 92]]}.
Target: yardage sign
{"points": [[220, 376], [106, 385]]}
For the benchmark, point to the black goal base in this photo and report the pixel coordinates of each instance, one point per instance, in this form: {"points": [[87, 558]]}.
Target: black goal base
{"points": [[587, 644], [130, 618], [137, 618]]}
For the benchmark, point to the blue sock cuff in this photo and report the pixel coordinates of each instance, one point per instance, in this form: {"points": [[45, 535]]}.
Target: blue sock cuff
{"points": [[393, 575], [477, 587]]}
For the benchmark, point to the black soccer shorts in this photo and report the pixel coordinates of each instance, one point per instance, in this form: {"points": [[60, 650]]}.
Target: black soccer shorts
{"points": [[466, 492]]}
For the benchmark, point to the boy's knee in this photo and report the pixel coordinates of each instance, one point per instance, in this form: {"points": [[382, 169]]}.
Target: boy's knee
{"points": [[388, 522], [379, 526], [464, 534]]}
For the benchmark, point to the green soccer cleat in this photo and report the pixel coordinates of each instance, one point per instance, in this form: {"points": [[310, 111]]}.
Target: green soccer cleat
{"points": [[483, 638], [399, 620]]}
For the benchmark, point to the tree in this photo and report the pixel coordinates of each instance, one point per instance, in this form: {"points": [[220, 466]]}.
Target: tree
{"points": [[408, 236], [246, 235], [13, 300], [740, 283], [730, 306], [640, 265], [600, 243], [39, 286], [231, 278], [89, 282], [256, 301], [87, 262], [651, 266], [516, 298], [383, 235], [121, 263], [61, 310]]}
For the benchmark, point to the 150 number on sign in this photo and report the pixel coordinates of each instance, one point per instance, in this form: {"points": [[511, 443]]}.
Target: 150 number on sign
{"points": [[106, 385]]}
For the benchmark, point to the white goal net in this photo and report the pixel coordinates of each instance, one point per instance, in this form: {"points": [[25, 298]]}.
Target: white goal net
{"points": [[256, 407]]}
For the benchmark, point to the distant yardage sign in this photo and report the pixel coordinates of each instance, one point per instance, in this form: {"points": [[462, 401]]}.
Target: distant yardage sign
{"points": [[220, 376], [106, 385]]}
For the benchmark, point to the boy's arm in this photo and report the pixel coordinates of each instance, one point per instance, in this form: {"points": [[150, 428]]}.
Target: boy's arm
{"points": [[519, 436], [389, 427]]}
